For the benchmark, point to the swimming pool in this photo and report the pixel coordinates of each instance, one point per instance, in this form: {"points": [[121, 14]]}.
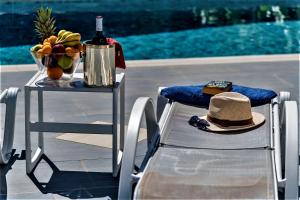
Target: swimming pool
{"points": [[158, 33], [249, 39]]}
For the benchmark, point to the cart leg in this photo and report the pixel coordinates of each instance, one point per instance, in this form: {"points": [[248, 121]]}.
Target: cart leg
{"points": [[122, 114], [41, 119], [115, 133], [27, 131], [30, 162]]}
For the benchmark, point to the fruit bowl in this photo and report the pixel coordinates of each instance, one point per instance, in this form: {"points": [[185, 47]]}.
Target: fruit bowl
{"points": [[58, 55], [59, 66]]}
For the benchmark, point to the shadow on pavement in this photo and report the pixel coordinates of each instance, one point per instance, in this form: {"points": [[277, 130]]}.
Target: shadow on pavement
{"points": [[4, 169], [77, 184]]}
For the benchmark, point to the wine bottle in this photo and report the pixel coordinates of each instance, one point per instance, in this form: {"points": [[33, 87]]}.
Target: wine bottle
{"points": [[99, 38]]}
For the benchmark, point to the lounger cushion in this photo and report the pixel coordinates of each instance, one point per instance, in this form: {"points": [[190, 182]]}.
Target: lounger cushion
{"points": [[192, 95]]}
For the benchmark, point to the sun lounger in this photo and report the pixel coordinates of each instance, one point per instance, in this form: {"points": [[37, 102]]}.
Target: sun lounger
{"points": [[9, 98], [183, 162]]}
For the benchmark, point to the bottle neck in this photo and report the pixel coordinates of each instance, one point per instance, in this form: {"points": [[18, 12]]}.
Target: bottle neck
{"points": [[99, 26], [99, 34]]}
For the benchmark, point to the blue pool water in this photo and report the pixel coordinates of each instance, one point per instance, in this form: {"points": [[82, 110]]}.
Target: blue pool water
{"points": [[245, 39]]}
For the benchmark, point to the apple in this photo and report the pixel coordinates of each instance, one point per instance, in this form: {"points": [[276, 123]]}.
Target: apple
{"points": [[65, 62], [58, 51]]}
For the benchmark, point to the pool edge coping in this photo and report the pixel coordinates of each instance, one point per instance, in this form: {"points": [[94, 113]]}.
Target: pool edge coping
{"points": [[180, 61]]}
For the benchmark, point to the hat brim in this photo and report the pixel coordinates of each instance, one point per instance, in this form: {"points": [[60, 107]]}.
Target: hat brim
{"points": [[257, 119]]}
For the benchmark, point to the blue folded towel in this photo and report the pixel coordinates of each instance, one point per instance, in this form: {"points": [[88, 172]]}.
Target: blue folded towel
{"points": [[192, 95]]}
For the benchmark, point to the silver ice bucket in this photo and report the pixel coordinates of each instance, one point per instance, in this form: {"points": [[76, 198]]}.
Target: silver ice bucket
{"points": [[99, 65]]}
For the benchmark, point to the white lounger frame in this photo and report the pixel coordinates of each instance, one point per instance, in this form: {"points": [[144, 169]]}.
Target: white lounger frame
{"points": [[141, 106], [8, 97], [286, 126]]}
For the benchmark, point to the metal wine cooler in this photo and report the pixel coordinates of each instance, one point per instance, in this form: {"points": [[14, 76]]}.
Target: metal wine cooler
{"points": [[99, 65]]}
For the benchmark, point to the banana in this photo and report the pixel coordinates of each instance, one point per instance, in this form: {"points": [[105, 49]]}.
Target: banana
{"points": [[60, 33], [37, 47], [71, 43], [63, 36], [72, 37]]}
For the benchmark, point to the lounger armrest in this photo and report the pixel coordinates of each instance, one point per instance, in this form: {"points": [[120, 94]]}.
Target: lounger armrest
{"points": [[283, 96], [276, 122], [290, 127], [8, 97], [142, 105]]}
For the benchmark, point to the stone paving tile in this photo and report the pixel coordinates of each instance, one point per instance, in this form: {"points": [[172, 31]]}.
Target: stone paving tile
{"points": [[22, 195], [69, 179], [13, 177], [74, 151], [97, 165]]}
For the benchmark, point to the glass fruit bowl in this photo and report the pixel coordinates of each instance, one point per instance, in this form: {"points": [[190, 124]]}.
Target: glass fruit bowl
{"points": [[59, 66]]}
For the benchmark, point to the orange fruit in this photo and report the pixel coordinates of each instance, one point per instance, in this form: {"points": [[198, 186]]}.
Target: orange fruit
{"points": [[52, 39], [70, 51], [46, 41], [47, 49], [40, 53], [54, 73]]}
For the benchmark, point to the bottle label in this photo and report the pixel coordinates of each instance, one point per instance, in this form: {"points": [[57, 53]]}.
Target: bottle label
{"points": [[99, 23]]}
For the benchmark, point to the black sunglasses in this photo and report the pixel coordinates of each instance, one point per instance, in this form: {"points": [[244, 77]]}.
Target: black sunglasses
{"points": [[199, 123]]}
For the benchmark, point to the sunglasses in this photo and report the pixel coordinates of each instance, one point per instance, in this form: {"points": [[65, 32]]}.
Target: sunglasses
{"points": [[199, 123]]}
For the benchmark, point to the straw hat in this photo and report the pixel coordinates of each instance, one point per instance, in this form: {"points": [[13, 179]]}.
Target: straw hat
{"points": [[231, 111]]}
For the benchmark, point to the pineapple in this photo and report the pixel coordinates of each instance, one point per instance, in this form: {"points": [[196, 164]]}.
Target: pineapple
{"points": [[44, 23]]}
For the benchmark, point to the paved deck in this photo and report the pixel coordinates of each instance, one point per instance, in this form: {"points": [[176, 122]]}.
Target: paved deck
{"points": [[83, 171]]}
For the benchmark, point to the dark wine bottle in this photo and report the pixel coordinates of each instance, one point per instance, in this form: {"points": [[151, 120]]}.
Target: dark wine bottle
{"points": [[99, 38]]}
